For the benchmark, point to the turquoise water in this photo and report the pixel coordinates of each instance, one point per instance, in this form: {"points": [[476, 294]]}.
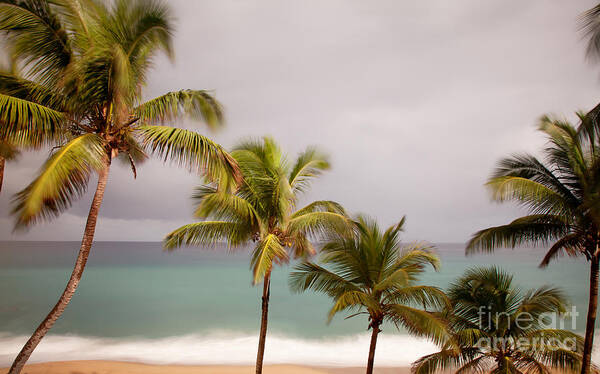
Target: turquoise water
{"points": [[134, 291]]}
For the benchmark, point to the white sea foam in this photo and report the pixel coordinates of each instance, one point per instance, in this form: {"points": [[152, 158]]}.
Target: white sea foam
{"points": [[223, 348]]}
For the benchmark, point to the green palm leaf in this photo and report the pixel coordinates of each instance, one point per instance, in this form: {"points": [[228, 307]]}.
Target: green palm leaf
{"points": [[415, 257], [352, 300], [310, 164], [447, 359], [419, 295], [419, 322], [62, 179], [534, 195], [534, 229], [318, 223], [14, 86], [38, 36], [224, 205], [187, 148], [311, 276], [197, 104], [268, 251], [321, 206], [28, 123], [571, 244], [207, 233]]}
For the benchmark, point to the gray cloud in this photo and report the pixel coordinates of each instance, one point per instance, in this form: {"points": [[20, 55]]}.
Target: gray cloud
{"points": [[414, 101]]}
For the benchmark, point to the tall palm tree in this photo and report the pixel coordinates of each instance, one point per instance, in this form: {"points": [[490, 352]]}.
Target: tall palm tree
{"points": [[561, 194], [370, 273], [496, 328], [85, 63], [262, 209]]}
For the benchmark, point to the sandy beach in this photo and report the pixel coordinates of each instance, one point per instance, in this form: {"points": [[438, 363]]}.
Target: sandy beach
{"points": [[115, 367]]}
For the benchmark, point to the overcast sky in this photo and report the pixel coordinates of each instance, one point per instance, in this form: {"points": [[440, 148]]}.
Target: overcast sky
{"points": [[415, 101]]}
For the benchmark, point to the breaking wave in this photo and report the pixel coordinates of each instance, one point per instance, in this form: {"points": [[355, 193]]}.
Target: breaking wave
{"points": [[222, 348]]}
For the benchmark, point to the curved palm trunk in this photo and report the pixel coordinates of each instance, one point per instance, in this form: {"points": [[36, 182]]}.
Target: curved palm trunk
{"points": [[591, 317], [263, 322], [65, 298], [374, 334], [2, 162]]}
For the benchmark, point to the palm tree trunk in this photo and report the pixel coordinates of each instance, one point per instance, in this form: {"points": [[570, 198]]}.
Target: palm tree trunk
{"points": [[65, 298], [374, 334], [2, 162], [591, 317], [263, 322]]}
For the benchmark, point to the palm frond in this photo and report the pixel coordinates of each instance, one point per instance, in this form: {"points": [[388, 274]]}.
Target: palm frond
{"points": [[319, 223], [560, 358], [419, 322], [418, 295], [448, 359], [207, 233], [530, 365], [415, 257], [150, 27], [479, 365], [14, 86], [505, 365], [196, 104], [590, 25], [552, 339], [62, 179], [310, 276], [75, 15], [533, 195], [570, 244], [188, 148], [40, 41], [534, 229], [526, 166], [400, 277], [24, 122], [321, 206], [268, 251], [311, 163], [226, 206], [352, 300], [543, 300], [142, 28]]}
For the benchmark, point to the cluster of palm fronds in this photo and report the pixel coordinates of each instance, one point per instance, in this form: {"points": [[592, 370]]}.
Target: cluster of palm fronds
{"points": [[562, 194], [76, 83], [487, 332]]}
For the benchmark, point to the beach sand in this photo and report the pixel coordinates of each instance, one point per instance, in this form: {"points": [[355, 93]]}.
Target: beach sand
{"points": [[114, 367]]}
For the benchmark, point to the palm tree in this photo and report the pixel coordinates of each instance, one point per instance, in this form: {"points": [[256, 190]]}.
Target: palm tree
{"points": [[370, 273], [262, 209], [561, 195], [85, 63], [496, 328]]}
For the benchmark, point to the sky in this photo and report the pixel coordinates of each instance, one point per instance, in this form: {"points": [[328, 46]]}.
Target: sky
{"points": [[414, 102]]}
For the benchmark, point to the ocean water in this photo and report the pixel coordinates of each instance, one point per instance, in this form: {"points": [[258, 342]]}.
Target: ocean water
{"points": [[194, 306]]}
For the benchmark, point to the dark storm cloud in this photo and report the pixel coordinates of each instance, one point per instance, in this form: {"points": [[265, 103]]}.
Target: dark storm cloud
{"points": [[414, 101]]}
